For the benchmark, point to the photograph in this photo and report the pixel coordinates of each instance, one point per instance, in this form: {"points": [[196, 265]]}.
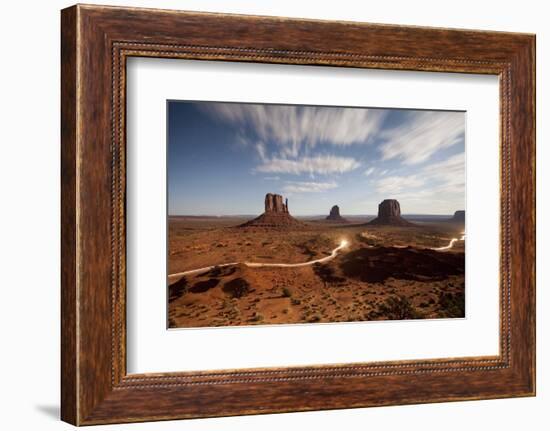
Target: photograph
{"points": [[287, 214]]}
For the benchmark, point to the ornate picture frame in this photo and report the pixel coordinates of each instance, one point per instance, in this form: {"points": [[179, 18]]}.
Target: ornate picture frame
{"points": [[96, 41]]}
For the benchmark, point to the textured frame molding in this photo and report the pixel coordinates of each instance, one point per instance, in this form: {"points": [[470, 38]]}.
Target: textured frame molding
{"points": [[96, 41]]}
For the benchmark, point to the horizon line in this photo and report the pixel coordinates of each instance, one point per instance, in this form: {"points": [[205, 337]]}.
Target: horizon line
{"points": [[305, 215]]}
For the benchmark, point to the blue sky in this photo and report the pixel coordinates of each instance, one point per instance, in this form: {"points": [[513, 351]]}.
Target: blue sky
{"points": [[224, 157]]}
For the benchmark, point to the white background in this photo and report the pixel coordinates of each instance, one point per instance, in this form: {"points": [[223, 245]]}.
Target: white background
{"points": [[151, 348], [29, 225]]}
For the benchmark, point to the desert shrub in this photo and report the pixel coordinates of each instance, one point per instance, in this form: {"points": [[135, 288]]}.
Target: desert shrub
{"points": [[236, 288], [451, 304], [295, 301], [397, 308], [287, 293]]}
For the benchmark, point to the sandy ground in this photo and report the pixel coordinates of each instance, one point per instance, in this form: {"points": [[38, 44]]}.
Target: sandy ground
{"points": [[384, 273]]}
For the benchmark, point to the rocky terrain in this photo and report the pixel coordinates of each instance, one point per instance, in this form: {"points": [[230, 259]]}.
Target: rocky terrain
{"points": [[391, 270]]}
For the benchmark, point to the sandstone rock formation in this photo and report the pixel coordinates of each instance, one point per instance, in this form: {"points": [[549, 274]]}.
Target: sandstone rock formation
{"points": [[335, 216], [275, 215], [460, 216], [274, 203], [389, 213]]}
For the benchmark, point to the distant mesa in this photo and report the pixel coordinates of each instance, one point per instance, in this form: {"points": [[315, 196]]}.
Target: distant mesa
{"points": [[460, 216], [389, 213], [335, 216], [276, 214]]}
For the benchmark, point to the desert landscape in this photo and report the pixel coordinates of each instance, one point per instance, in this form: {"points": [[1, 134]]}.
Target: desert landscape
{"points": [[303, 214], [280, 269]]}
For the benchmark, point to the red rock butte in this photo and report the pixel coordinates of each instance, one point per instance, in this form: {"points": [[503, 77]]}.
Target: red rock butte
{"points": [[335, 216], [389, 213], [276, 214], [459, 216]]}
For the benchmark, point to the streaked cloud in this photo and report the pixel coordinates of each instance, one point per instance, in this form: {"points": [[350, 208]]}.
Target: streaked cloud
{"points": [[396, 184], [308, 187], [261, 150], [369, 171], [435, 180], [324, 164], [450, 171], [294, 128], [422, 135]]}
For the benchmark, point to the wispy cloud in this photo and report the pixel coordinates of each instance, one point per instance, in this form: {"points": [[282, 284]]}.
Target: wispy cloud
{"points": [[450, 171], [261, 149], [293, 128], [434, 181], [308, 187], [369, 171], [272, 178], [325, 164], [423, 134], [397, 184]]}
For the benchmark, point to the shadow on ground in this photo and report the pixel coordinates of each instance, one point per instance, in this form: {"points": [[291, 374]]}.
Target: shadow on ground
{"points": [[375, 265], [52, 411]]}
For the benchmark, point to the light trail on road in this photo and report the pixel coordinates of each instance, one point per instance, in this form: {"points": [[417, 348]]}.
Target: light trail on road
{"points": [[451, 243], [343, 244]]}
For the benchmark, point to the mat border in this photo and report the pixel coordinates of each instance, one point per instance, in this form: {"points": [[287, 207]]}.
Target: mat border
{"points": [[96, 42]]}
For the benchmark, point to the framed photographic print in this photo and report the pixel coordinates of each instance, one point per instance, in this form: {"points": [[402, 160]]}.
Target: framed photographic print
{"points": [[239, 258], [329, 214]]}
